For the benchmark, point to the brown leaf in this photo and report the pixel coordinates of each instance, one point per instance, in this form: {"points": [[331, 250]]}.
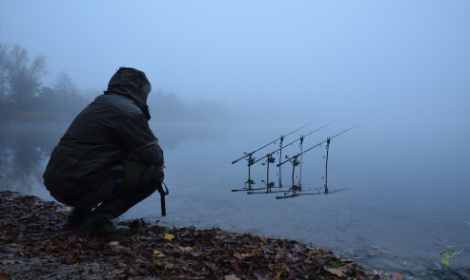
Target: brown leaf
{"points": [[159, 263], [397, 276], [3, 276], [12, 232], [93, 271], [1, 201], [237, 256], [115, 257], [73, 239], [130, 273], [117, 271]]}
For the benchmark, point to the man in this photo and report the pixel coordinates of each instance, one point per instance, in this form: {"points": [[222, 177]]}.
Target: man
{"points": [[108, 155]]}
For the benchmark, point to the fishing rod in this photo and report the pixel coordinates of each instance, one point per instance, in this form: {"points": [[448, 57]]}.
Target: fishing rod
{"points": [[294, 160], [249, 157], [271, 159], [301, 139], [319, 144], [250, 154]]}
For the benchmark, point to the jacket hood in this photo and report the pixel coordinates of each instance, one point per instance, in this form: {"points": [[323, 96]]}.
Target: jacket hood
{"points": [[131, 83]]}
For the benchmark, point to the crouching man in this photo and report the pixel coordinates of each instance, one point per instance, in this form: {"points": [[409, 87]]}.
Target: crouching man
{"points": [[108, 156]]}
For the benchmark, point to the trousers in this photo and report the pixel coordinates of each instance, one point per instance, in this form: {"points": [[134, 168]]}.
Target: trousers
{"points": [[131, 181]]}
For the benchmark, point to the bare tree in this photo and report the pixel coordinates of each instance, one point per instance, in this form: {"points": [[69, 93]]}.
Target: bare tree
{"points": [[65, 87], [3, 74], [24, 78]]}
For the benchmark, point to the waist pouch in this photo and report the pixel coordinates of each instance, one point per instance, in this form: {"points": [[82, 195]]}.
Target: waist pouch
{"points": [[139, 175]]}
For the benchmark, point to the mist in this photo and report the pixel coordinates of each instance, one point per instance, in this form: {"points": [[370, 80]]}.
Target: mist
{"points": [[229, 77]]}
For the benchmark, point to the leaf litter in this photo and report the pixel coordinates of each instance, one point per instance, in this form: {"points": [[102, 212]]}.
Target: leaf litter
{"points": [[33, 231]]}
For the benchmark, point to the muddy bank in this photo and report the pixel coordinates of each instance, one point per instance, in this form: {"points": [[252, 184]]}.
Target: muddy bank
{"points": [[35, 243]]}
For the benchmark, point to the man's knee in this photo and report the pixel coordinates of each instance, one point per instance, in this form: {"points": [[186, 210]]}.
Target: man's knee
{"points": [[139, 176]]}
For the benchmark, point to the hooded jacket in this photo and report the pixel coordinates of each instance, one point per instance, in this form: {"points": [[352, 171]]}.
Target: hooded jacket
{"points": [[102, 135]]}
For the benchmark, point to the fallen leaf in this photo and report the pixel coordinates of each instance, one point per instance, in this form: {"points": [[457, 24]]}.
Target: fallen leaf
{"points": [[73, 239], [185, 249], [12, 232], [114, 243], [169, 237], [3, 276], [117, 271], [75, 265], [335, 271], [404, 263], [4, 262], [169, 266], [278, 275], [371, 254], [159, 263], [93, 271], [157, 254], [396, 276], [231, 277], [130, 273]]}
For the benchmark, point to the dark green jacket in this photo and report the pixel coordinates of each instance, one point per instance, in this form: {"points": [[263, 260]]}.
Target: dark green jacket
{"points": [[101, 136]]}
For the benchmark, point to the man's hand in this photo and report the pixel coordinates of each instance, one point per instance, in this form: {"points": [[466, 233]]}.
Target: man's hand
{"points": [[163, 166]]}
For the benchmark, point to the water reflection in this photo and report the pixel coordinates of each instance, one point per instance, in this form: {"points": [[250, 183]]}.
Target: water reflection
{"points": [[172, 135], [383, 220], [23, 150]]}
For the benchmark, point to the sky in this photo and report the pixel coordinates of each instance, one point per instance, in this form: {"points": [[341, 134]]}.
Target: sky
{"points": [[398, 69], [377, 62]]}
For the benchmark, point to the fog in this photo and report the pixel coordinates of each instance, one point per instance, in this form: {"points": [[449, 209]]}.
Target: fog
{"points": [[390, 62], [256, 70]]}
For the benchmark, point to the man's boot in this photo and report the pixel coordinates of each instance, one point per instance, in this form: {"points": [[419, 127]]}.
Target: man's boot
{"points": [[99, 220], [77, 214]]}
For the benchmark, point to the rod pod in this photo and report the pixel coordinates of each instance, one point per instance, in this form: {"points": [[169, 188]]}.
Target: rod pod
{"points": [[280, 157], [326, 165], [301, 160], [268, 184], [250, 182]]}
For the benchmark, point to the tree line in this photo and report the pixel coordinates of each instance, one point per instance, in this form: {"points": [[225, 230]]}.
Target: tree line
{"points": [[24, 97]]}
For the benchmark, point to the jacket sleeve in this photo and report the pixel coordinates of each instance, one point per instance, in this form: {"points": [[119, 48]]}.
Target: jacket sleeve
{"points": [[138, 138]]}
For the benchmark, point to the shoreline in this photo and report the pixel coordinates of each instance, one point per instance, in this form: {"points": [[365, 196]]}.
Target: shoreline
{"points": [[35, 243]]}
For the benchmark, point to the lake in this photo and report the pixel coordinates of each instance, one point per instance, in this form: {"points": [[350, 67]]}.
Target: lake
{"points": [[406, 199]]}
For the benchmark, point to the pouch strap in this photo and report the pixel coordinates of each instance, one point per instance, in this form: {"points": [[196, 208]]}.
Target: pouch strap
{"points": [[162, 194]]}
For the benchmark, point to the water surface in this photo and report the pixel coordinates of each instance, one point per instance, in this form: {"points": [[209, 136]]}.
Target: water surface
{"points": [[407, 198]]}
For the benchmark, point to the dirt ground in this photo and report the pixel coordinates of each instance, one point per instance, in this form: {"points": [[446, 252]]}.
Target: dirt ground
{"points": [[35, 243]]}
